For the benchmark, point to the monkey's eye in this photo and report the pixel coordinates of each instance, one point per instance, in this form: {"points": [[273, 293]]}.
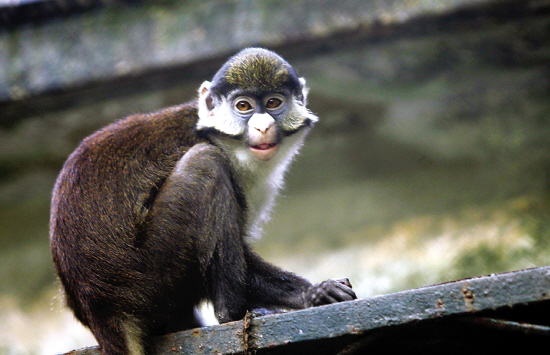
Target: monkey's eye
{"points": [[274, 102], [243, 105]]}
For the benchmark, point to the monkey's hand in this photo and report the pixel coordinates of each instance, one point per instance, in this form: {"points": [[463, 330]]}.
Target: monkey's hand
{"points": [[330, 291]]}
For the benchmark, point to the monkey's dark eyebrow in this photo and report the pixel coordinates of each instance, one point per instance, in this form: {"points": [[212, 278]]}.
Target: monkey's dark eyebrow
{"points": [[259, 94]]}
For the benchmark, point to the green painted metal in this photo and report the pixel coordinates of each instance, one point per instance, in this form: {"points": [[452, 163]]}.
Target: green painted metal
{"points": [[318, 329]]}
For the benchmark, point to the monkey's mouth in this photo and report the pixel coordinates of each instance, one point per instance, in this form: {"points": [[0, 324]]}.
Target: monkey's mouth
{"points": [[264, 146], [264, 151]]}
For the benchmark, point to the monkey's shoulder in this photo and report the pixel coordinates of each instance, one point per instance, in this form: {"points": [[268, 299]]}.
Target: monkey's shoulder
{"points": [[171, 124], [143, 136], [140, 150]]}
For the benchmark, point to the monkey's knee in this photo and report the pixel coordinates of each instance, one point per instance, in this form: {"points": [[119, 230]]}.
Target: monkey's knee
{"points": [[199, 173], [200, 186]]}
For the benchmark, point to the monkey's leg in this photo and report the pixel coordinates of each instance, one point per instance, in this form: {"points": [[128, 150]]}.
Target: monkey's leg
{"points": [[117, 334], [197, 212]]}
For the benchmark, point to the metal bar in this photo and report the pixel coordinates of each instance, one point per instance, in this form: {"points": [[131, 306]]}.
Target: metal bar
{"points": [[357, 317], [462, 297]]}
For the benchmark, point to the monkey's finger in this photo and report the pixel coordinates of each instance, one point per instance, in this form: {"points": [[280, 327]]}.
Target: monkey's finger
{"points": [[342, 293], [325, 299], [344, 281], [346, 297]]}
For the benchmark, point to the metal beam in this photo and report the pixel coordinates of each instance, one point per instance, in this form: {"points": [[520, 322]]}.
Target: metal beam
{"points": [[344, 322]]}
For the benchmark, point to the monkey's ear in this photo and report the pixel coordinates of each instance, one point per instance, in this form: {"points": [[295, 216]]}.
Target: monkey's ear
{"points": [[305, 90], [205, 99], [205, 88]]}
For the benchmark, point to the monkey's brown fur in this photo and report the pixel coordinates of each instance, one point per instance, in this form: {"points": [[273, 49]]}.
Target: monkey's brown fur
{"points": [[149, 218], [99, 208]]}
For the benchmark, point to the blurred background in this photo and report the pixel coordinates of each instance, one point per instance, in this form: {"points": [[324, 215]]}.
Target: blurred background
{"points": [[430, 163]]}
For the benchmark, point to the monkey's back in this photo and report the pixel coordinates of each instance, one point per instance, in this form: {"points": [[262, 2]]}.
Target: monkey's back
{"points": [[100, 201]]}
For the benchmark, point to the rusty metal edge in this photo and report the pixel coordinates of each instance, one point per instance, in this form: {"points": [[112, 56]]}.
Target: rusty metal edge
{"points": [[468, 296]]}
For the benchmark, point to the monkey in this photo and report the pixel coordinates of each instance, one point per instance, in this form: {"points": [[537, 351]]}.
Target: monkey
{"points": [[154, 213]]}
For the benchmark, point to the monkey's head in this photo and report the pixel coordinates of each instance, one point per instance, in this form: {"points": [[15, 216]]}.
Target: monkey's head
{"points": [[253, 104]]}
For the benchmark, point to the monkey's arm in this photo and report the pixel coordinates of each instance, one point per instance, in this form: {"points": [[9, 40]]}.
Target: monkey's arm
{"points": [[198, 209], [272, 287]]}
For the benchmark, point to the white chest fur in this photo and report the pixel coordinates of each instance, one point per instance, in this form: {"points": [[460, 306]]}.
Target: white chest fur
{"points": [[261, 180]]}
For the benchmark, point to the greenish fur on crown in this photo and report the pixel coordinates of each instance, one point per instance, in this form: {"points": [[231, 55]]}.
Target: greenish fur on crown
{"points": [[256, 71], [259, 72]]}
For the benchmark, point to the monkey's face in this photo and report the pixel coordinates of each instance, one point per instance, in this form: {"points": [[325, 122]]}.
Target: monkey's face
{"points": [[255, 107], [257, 122], [262, 137]]}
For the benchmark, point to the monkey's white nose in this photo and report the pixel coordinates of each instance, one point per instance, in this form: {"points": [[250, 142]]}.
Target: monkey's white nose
{"points": [[261, 122]]}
